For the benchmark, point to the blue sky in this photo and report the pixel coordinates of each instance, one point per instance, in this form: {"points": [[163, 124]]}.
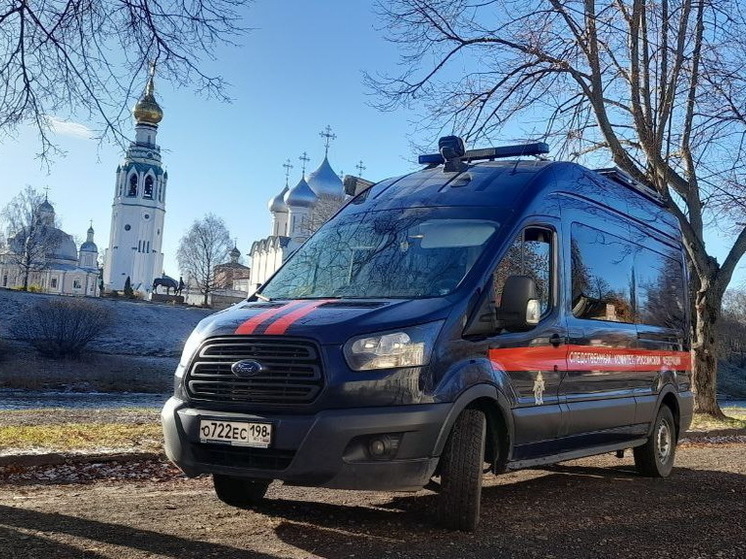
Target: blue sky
{"points": [[299, 70]]}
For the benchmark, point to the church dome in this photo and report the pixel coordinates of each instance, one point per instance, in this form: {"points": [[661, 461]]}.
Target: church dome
{"points": [[64, 248], [325, 182], [45, 206], [147, 110], [301, 195], [235, 253], [277, 204], [89, 245], [58, 244]]}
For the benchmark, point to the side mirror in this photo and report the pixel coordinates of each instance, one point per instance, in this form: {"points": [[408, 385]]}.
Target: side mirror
{"points": [[519, 306]]}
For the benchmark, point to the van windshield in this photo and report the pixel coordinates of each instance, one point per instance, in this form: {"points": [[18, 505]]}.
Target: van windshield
{"points": [[384, 254]]}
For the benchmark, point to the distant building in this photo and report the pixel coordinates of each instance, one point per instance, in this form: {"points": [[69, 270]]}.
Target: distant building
{"points": [[139, 207], [232, 275], [296, 213], [59, 267]]}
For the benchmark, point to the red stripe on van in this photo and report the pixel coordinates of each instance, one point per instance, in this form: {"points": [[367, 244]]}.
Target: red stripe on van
{"points": [[588, 358], [251, 325], [281, 325]]}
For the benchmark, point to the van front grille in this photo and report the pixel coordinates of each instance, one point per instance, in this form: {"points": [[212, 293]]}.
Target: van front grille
{"points": [[291, 372]]}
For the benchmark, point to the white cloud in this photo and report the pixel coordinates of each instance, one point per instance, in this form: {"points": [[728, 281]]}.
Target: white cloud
{"points": [[68, 128]]}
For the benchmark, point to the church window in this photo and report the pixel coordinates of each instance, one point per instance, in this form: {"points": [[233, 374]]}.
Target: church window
{"points": [[147, 216], [127, 227], [133, 186], [148, 187], [5, 280], [76, 284], [53, 283]]}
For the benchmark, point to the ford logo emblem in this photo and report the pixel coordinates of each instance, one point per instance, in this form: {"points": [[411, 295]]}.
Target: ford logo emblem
{"points": [[247, 368]]}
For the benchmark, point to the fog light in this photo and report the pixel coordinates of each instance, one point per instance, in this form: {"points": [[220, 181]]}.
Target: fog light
{"points": [[377, 447]]}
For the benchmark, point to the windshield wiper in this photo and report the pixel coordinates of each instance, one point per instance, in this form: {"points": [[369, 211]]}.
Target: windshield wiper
{"points": [[262, 297]]}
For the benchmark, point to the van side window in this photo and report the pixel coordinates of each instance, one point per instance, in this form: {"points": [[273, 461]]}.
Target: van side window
{"points": [[602, 281], [660, 290], [530, 255]]}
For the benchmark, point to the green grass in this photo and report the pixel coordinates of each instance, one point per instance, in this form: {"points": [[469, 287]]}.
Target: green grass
{"points": [[735, 419], [80, 430]]}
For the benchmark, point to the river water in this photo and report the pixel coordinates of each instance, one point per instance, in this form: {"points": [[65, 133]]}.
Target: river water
{"points": [[35, 399]]}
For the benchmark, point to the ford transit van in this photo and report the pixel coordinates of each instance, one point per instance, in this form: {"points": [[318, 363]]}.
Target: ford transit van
{"points": [[481, 314]]}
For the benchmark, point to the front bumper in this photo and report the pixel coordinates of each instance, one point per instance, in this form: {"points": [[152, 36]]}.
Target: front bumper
{"points": [[325, 449]]}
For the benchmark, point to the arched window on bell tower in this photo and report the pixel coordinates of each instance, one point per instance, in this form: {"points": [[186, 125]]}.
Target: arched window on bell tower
{"points": [[148, 191], [132, 192]]}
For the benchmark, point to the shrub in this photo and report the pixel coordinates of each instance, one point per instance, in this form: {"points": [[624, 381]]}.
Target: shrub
{"points": [[62, 327]]}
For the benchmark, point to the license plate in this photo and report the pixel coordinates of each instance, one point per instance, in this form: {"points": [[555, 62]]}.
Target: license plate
{"points": [[235, 433]]}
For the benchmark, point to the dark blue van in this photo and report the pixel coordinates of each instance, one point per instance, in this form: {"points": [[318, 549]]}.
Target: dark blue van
{"points": [[478, 314]]}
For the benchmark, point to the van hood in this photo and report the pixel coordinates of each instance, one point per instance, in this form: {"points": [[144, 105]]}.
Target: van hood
{"points": [[328, 321]]}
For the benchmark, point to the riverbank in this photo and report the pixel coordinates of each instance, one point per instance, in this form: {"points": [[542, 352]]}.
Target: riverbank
{"points": [[138, 353]]}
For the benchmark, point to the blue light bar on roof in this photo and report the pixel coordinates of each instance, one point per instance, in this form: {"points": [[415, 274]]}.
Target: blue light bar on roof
{"points": [[535, 148]]}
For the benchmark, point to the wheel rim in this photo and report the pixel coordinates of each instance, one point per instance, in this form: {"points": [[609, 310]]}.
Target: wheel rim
{"points": [[664, 442]]}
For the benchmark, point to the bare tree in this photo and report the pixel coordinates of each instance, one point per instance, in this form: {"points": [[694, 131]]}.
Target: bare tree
{"points": [[658, 87], [326, 207], [205, 244], [87, 59], [32, 236]]}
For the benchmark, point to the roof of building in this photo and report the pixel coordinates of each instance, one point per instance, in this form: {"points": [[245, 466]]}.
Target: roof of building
{"points": [[277, 204], [147, 110], [301, 195], [56, 243], [325, 182]]}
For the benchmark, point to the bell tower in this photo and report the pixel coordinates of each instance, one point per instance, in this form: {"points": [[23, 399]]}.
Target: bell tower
{"points": [[139, 207]]}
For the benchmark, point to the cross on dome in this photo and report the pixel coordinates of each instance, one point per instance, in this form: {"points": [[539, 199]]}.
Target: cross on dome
{"points": [[287, 166], [304, 159], [360, 168], [328, 137]]}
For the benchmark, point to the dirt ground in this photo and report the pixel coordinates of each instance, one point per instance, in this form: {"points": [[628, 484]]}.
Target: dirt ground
{"points": [[595, 507]]}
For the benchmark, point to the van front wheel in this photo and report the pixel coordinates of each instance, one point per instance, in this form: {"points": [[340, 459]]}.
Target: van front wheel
{"points": [[239, 492], [655, 458], [461, 467]]}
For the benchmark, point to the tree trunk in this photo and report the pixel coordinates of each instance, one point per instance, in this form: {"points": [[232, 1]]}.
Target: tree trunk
{"points": [[707, 310]]}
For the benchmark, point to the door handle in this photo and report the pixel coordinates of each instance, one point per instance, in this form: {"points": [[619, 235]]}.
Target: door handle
{"points": [[556, 340]]}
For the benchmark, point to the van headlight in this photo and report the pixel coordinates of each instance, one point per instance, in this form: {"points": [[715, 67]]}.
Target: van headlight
{"points": [[406, 347], [190, 348]]}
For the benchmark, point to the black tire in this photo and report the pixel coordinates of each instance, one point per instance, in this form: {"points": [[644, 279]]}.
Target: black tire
{"points": [[655, 458], [239, 492], [461, 467]]}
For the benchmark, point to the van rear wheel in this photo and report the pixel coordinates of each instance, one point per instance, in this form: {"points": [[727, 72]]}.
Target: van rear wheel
{"points": [[239, 492], [461, 468], [655, 458]]}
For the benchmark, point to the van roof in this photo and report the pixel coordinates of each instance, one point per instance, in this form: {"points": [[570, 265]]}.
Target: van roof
{"points": [[514, 185]]}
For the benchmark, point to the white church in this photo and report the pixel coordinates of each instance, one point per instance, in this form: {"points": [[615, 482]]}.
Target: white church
{"points": [[139, 207], [296, 213], [61, 269]]}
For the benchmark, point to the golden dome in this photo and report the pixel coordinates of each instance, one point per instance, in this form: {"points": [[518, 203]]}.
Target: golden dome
{"points": [[147, 110]]}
